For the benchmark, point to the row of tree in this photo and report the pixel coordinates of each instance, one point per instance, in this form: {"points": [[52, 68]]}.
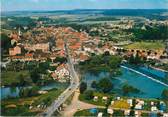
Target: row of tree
{"points": [[29, 92], [136, 59]]}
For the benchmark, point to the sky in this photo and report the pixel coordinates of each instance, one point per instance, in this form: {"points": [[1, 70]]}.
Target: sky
{"points": [[32, 5]]}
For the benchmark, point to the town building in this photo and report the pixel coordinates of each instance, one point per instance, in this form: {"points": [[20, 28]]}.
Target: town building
{"points": [[61, 73], [40, 46], [14, 51]]}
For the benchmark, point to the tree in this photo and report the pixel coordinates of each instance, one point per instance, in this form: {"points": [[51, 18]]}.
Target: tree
{"points": [[88, 95], [47, 101], [108, 103], [165, 94], [24, 92], [43, 67], [133, 103], [132, 113], [94, 84], [118, 113], [105, 85], [131, 59], [5, 42], [106, 53], [49, 60], [35, 76], [30, 66], [34, 91], [129, 89], [22, 80], [114, 62], [60, 59], [82, 87], [137, 59], [100, 44]]}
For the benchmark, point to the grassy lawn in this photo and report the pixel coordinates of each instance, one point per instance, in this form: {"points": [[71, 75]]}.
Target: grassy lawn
{"points": [[22, 104], [9, 78], [121, 104], [146, 45]]}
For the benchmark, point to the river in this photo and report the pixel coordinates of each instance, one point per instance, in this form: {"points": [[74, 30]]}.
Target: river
{"points": [[7, 92], [149, 88]]}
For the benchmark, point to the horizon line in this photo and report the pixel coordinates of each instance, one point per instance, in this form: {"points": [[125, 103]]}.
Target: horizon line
{"points": [[85, 9]]}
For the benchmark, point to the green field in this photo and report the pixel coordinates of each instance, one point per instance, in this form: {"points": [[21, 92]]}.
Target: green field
{"points": [[9, 78], [146, 45]]}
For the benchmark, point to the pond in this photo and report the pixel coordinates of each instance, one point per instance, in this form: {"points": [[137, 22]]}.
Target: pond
{"points": [[7, 92], [148, 87]]}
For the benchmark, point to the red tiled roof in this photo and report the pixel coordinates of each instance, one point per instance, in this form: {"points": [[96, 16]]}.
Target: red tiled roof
{"points": [[76, 46], [29, 55], [17, 57]]}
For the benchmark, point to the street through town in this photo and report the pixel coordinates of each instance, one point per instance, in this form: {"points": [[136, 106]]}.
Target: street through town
{"points": [[68, 92]]}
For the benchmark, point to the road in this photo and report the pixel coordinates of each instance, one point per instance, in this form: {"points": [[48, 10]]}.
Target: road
{"points": [[77, 105], [68, 92]]}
